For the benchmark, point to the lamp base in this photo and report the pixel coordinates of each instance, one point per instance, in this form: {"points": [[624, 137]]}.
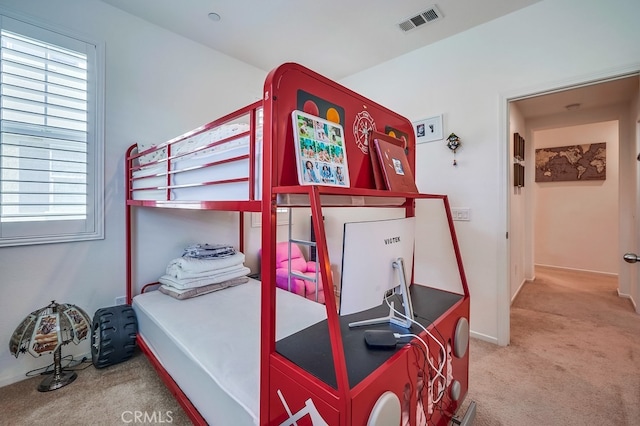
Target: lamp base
{"points": [[56, 381]]}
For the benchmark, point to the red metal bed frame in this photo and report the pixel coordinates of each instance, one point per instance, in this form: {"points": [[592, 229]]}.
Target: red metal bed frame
{"points": [[284, 88]]}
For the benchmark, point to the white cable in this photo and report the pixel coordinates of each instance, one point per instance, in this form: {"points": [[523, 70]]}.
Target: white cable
{"points": [[398, 336], [437, 370], [444, 351]]}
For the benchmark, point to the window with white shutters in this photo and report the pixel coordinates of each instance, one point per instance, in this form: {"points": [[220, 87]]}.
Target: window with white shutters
{"points": [[50, 136]]}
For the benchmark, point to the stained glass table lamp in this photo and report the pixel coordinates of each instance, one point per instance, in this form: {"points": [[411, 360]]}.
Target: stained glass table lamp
{"points": [[47, 330]]}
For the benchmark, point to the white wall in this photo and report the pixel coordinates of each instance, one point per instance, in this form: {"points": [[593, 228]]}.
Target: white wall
{"points": [[518, 225], [158, 85], [576, 223], [626, 171], [466, 77], [633, 292]]}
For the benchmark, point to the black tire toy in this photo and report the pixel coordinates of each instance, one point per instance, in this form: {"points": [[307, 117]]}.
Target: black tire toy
{"points": [[113, 335]]}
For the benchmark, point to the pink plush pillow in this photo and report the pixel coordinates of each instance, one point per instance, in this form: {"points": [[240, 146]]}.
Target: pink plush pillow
{"points": [[298, 262], [310, 288], [299, 265], [298, 286], [311, 266]]}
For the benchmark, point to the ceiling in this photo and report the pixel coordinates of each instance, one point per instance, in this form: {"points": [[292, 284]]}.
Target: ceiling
{"points": [[336, 38], [589, 96]]}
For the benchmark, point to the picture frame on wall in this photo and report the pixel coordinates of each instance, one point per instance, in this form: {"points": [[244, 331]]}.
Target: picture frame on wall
{"points": [[518, 147], [518, 160], [428, 129], [518, 175]]}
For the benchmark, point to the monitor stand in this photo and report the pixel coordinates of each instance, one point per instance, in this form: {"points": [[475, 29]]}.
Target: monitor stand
{"points": [[398, 265]]}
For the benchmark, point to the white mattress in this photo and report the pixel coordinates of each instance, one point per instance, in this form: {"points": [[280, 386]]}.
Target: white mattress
{"points": [[146, 176], [210, 344]]}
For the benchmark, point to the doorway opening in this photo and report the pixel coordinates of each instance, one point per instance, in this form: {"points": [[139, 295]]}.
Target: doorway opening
{"points": [[540, 214]]}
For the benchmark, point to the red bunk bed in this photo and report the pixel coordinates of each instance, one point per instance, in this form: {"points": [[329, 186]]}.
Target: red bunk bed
{"points": [[310, 371]]}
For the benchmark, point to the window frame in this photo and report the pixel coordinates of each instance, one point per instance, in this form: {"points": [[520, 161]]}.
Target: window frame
{"points": [[92, 228]]}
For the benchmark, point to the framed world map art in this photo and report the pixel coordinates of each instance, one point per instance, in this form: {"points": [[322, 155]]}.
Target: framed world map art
{"points": [[571, 163]]}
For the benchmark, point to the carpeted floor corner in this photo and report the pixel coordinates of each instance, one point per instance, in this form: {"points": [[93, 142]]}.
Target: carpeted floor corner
{"points": [[109, 396]]}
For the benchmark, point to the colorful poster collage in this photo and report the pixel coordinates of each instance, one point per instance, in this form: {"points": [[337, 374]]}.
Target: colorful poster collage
{"points": [[321, 156]]}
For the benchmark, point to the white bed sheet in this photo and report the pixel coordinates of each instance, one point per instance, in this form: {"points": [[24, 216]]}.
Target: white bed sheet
{"points": [[210, 344], [145, 177]]}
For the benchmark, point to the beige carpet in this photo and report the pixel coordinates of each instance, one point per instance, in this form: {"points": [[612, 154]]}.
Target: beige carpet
{"points": [[110, 396], [574, 359]]}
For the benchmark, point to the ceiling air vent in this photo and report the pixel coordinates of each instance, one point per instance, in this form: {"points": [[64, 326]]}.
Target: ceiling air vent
{"points": [[426, 16]]}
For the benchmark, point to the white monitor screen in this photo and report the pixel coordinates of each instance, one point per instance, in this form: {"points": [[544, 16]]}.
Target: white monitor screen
{"points": [[369, 250]]}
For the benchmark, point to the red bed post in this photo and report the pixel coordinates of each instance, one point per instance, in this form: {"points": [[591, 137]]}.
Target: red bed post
{"points": [[267, 305], [128, 230]]}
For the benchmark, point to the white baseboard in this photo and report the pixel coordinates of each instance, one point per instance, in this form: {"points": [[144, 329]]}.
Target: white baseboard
{"points": [[483, 337], [524, 281], [628, 296], [564, 268], [6, 381]]}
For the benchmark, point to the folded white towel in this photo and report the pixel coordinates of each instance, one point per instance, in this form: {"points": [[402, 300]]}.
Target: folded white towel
{"points": [[188, 266], [240, 271], [187, 275]]}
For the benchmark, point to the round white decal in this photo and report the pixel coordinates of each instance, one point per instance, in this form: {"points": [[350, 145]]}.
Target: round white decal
{"points": [[362, 126]]}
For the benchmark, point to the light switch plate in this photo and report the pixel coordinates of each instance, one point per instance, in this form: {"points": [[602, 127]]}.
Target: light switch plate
{"points": [[461, 213]]}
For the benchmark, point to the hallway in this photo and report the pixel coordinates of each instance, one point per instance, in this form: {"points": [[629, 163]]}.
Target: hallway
{"points": [[574, 357]]}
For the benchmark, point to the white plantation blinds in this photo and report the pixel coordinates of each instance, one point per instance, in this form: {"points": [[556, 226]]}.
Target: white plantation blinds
{"points": [[49, 176]]}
